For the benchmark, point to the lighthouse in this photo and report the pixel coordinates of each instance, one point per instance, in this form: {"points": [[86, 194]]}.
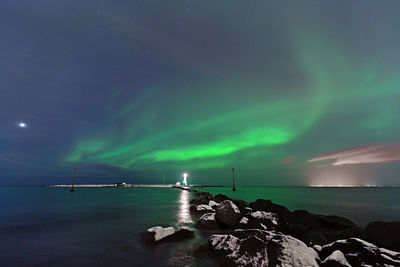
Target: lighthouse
{"points": [[185, 175]]}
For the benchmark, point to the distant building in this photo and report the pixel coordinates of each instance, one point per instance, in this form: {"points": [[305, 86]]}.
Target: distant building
{"points": [[178, 183]]}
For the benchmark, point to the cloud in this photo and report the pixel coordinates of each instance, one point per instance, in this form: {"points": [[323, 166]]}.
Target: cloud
{"points": [[372, 153]]}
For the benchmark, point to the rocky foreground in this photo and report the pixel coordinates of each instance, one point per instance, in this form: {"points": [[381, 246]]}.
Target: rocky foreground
{"points": [[262, 233]]}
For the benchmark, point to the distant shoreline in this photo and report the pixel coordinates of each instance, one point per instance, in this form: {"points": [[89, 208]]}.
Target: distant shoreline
{"points": [[197, 186], [128, 185]]}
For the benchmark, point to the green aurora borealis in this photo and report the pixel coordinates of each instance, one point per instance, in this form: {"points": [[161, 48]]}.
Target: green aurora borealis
{"points": [[206, 86]]}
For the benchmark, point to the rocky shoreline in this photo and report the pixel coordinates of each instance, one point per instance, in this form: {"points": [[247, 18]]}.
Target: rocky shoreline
{"points": [[262, 233]]}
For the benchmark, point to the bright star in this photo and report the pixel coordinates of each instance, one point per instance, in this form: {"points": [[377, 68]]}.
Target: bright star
{"points": [[22, 124]]}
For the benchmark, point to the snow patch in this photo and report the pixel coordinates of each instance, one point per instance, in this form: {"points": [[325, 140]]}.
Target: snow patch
{"points": [[317, 248], [234, 207], [263, 215], [208, 217], [160, 232], [204, 207], [337, 256], [244, 220], [212, 204]]}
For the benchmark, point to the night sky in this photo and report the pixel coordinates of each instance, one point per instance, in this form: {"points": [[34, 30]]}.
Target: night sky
{"points": [[287, 92]]}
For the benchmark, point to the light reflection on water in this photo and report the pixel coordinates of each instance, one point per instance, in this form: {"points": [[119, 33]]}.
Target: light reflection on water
{"points": [[183, 215]]}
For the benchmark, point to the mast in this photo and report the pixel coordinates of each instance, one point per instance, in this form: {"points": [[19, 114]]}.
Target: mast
{"points": [[233, 180], [73, 181]]}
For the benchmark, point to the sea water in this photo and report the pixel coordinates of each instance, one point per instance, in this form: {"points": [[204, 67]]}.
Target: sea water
{"points": [[102, 226]]}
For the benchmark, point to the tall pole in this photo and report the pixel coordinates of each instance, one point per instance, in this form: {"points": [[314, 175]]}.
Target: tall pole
{"points": [[233, 180], [73, 181]]}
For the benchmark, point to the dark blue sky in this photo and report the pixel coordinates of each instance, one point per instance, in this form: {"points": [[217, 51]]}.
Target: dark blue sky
{"points": [[138, 89]]}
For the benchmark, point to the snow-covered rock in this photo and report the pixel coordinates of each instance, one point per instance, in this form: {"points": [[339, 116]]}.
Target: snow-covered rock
{"points": [[242, 224], [317, 248], [262, 220], [212, 204], [337, 258], [262, 215], [361, 253], [156, 234], [227, 213], [201, 209], [261, 248], [244, 220], [247, 210], [207, 222], [160, 232]]}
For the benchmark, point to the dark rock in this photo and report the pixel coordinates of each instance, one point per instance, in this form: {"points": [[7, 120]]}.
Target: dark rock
{"points": [[306, 219], [330, 228], [207, 222], [308, 227], [242, 205], [262, 220], [301, 221], [261, 248], [201, 198], [227, 213], [182, 234], [256, 225], [384, 234], [160, 234], [200, 209], [335, 222], [359, 253], [220, 198], [247, 210], [267, 205]]}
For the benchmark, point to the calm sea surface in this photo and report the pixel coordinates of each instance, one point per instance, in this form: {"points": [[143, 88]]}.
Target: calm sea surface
{"points": [[94, 226]]}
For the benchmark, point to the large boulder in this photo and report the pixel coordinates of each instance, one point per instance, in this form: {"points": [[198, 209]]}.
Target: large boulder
{"points": [[361, 253], [227, 213], [159, 234], [261, 248], [329, 229], [207, 222], [384, 234], [305, 218], [335, 222]]}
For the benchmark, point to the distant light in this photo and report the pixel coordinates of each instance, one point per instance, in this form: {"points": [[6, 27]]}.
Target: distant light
{"points": [[22, 124], [185, 175]]}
